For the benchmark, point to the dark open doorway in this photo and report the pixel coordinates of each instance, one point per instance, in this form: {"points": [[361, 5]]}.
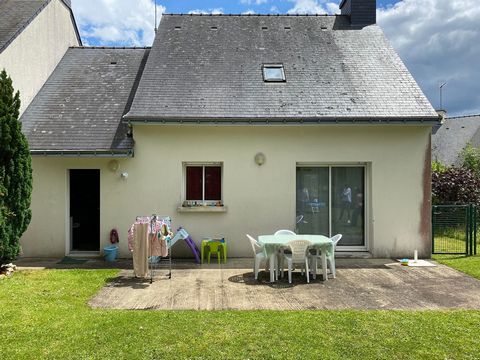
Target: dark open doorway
{"points": [[85, 210]]}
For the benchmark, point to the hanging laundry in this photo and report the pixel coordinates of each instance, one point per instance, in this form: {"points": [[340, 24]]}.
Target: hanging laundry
{"points": [[148, 237], [141, 249]]}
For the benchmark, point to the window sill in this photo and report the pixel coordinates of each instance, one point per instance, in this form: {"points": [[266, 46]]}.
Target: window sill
{"points": [[202, 209]]}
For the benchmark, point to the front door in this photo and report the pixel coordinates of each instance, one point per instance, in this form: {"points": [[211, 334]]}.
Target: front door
{"points": [[85, 210], [331, 200]]}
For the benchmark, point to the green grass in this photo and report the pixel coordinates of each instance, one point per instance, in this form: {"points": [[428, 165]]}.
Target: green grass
{"points": [[44, 315], [467, 264]]}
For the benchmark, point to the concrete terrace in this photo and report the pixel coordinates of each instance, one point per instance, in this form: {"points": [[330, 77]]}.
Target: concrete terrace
{"points": [[365, 284]]}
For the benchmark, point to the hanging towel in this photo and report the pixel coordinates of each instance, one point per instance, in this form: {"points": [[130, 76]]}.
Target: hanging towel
{"points": [[140, 249], [155, 245], [158, 244]]}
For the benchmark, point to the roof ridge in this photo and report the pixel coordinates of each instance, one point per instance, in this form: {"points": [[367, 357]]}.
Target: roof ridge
{"points": [[252, 15], [112, 47], [463, 116]]}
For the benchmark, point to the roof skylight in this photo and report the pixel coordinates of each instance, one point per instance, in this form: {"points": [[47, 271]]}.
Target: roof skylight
{"points": [[273, 73]]}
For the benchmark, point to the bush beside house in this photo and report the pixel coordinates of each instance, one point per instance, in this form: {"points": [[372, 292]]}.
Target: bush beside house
{"points": [[15, 173], [458, 185]]}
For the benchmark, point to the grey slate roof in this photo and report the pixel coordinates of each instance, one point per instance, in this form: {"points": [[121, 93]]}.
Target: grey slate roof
{"points": [[450, 139], [15, 15], [80, 107], [334, 73]]}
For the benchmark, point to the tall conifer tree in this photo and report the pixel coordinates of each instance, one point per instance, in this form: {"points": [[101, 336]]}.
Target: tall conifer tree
{"points": [[15, 172]]}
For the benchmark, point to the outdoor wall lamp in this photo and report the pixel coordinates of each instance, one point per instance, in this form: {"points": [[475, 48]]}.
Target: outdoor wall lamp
{"points": [[113, 165], [124, 175], [260, 159]]}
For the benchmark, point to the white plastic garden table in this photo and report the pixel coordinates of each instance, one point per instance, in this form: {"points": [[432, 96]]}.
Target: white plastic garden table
{"points": [[272, 244]]}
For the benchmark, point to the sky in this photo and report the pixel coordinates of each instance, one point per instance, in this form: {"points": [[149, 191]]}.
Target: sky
{"points": [[438, 40]]}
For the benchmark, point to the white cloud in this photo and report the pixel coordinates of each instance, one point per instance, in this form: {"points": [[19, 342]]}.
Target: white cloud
{"points": [[274, 10], [198, 12], [119, 22], [307, 7], [313, 7], [253, 2], [332, 8], [439, 41], [215, 11], [249, 12]]}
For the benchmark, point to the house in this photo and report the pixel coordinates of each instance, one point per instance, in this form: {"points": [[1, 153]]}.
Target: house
{"points": [[232, 125], [34, 36], [452, 136]]}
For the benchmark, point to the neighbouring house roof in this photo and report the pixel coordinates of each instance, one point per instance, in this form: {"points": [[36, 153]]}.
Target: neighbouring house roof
{"points": [[16, 15], [80, 107], [452, 137], [209, 69]]}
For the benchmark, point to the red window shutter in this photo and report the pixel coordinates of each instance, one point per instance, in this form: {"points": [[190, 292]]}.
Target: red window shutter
{"points": [[194, 183], [213, 183]]}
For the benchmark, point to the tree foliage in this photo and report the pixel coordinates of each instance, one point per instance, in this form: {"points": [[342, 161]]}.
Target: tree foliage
{"points": [[438, 167], [15, 172], [455, 186], [471, 159]]}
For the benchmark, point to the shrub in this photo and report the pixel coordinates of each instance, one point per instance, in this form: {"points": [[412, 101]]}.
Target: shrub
{"points": [[15, 173], [438, 167], [455, 186]]}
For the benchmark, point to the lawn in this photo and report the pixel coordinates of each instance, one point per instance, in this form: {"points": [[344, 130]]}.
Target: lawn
{"points": [[44, 315], [467, 264]]}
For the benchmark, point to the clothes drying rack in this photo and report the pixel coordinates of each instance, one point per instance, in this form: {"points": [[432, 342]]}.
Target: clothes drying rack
{"points": [[155, 263]]}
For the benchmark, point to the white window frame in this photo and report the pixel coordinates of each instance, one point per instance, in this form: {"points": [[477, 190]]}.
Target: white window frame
{"points": [[367, 199], [203, 165]]}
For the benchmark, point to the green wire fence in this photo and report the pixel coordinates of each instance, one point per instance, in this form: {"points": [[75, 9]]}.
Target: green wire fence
{"points": [[455, 229]]}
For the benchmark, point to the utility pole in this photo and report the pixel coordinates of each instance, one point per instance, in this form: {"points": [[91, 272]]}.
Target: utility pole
{"points": [[155, 26]]}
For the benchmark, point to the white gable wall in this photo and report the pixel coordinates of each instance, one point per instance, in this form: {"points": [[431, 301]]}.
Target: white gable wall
{"points": [[34, 54]]}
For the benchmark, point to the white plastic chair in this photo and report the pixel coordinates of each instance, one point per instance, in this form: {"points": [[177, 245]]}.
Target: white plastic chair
{"points": [[258, 255], [284, 232], [330, 259], [282, 249], [298, 256]]}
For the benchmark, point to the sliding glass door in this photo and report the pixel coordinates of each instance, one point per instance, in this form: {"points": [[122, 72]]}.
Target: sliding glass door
{"points": [[331, 200]]}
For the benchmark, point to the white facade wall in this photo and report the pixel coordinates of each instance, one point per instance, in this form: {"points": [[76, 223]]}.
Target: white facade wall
{"points": [[34, 54], [260, 199]]}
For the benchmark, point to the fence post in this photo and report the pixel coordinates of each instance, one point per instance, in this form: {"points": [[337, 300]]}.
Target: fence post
{"points": [[433, 229], [475, 229], [470, 228], [467, 229]]}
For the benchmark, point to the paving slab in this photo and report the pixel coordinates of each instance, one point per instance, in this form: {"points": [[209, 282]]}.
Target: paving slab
{"points": [[360, 284]]}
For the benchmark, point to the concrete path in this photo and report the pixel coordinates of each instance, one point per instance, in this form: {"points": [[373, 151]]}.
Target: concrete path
{"points": [[360, 284]]}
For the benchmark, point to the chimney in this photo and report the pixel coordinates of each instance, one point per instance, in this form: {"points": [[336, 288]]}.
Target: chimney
{"points": [[361, 12], [442, 114]]}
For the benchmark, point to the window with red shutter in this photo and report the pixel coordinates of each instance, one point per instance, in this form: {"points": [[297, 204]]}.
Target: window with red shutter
{"points": [[203, 183], [194, 183]]}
